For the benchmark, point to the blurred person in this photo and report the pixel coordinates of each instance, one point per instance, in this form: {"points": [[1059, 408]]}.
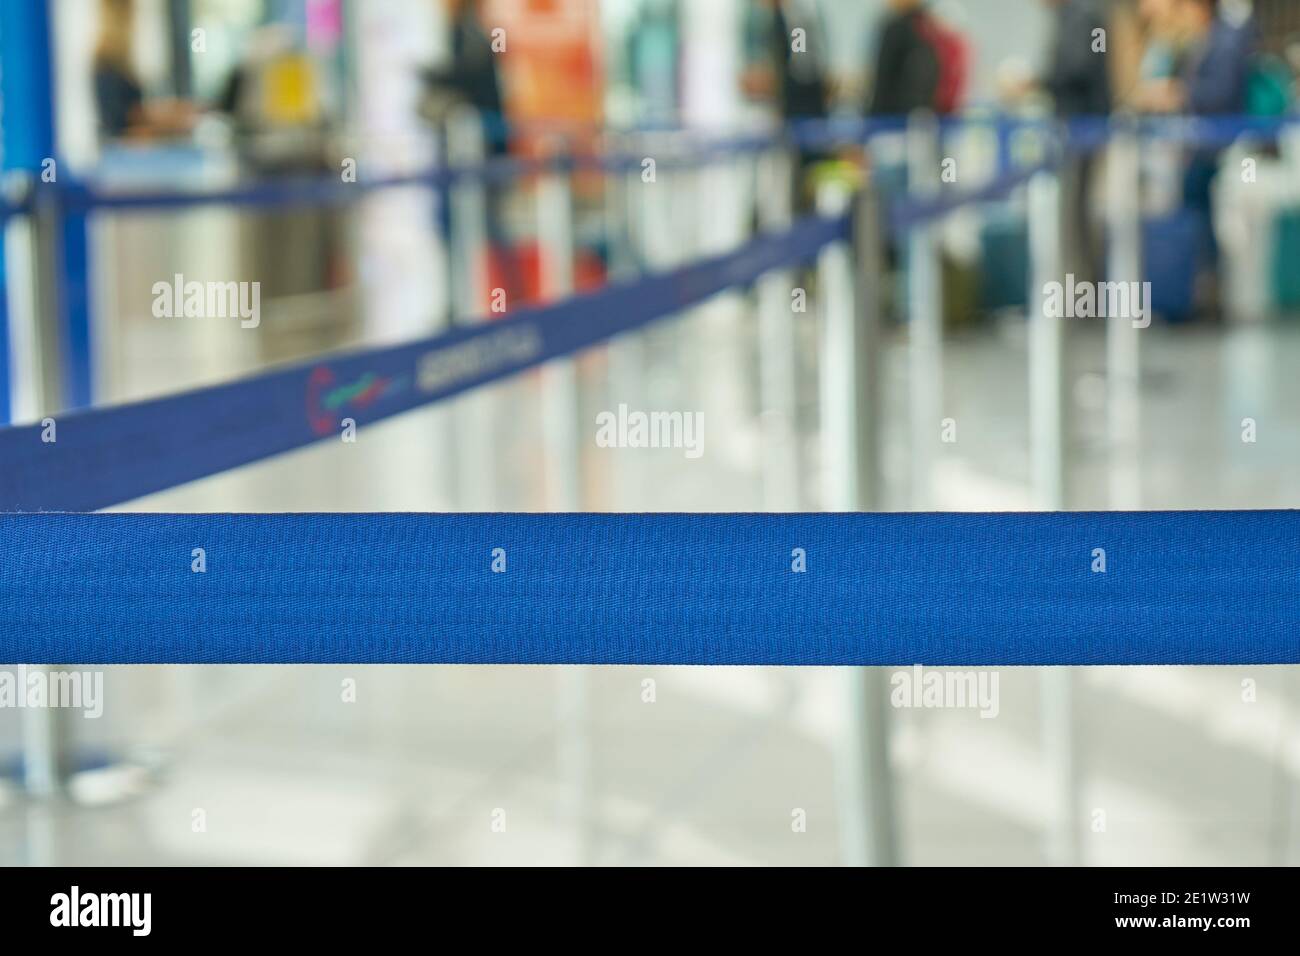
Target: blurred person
{"points": [[921, 62], [1162, 55], [906, 76], [1210, 72], [919, 65], [1213, 81], [790, 76], [788, 72], [653, 58], [1077, 77], [1210, 76], [1216, 70], [472, 77], [792, 79], [123, 110], [1160, 59], [945, 28]]}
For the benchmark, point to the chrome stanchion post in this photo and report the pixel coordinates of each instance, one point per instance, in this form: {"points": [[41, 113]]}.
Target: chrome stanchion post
{"points": [[1048, 431], [778, 352], [466, 152], [25, 340], [851, 282], [1123, 354], [720, 364], [1046, 346], [46, 735], [559, 378], [626, 378], [442, 418], [60, 370], [561, 428], [61, 377], [475, 418], [868, 351], [665, 241], [851, 449], [839, 406], [1061, 750], [924, 310], [45, 743]]}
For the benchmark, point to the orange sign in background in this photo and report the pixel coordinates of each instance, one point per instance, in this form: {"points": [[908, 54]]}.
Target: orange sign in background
{"points": [[553, 73], [553, 82]]}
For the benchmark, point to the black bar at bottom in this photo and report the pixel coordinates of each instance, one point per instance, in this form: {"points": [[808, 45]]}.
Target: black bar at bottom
{"points": [[332, 906]]}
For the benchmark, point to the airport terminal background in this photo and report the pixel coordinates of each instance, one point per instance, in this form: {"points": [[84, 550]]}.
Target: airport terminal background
{"points": [[641, 765]]}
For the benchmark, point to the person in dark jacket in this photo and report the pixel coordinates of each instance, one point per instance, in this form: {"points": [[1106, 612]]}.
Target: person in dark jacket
{"points": [[793, 79], [472, 77], [124, 112], [1077, 76], [1077, 79], [907, 65], [1212, 82], [788, 70], [1217, 63], [804, 89]]}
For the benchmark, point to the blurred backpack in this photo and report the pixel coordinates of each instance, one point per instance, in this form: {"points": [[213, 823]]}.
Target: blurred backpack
{"points": [[953, 56], [1268, 86]]}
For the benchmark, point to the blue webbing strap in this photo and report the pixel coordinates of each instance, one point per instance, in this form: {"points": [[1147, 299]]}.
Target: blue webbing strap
{"points": [[880, 589], [106, 456], [1083, 134], [907, 213]]}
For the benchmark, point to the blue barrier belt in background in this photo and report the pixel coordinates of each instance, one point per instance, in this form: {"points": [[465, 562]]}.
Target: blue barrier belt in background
{"points": [[106, 456], [904, 214], [688, 150], [331, 190], [880, 589]]}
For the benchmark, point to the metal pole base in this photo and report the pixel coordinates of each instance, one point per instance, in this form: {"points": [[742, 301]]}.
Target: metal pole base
{"points": [[93, 781]]}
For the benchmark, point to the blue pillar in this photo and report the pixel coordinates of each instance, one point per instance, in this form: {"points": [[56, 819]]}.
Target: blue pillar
{"points": [[26, 121], [6, 409], [27, 125], [74, 305], [27, 74], [27, 96]]}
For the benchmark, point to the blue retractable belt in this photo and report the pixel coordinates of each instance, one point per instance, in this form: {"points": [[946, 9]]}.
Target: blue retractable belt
{"points": [[878, 589], [106, 456]]}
